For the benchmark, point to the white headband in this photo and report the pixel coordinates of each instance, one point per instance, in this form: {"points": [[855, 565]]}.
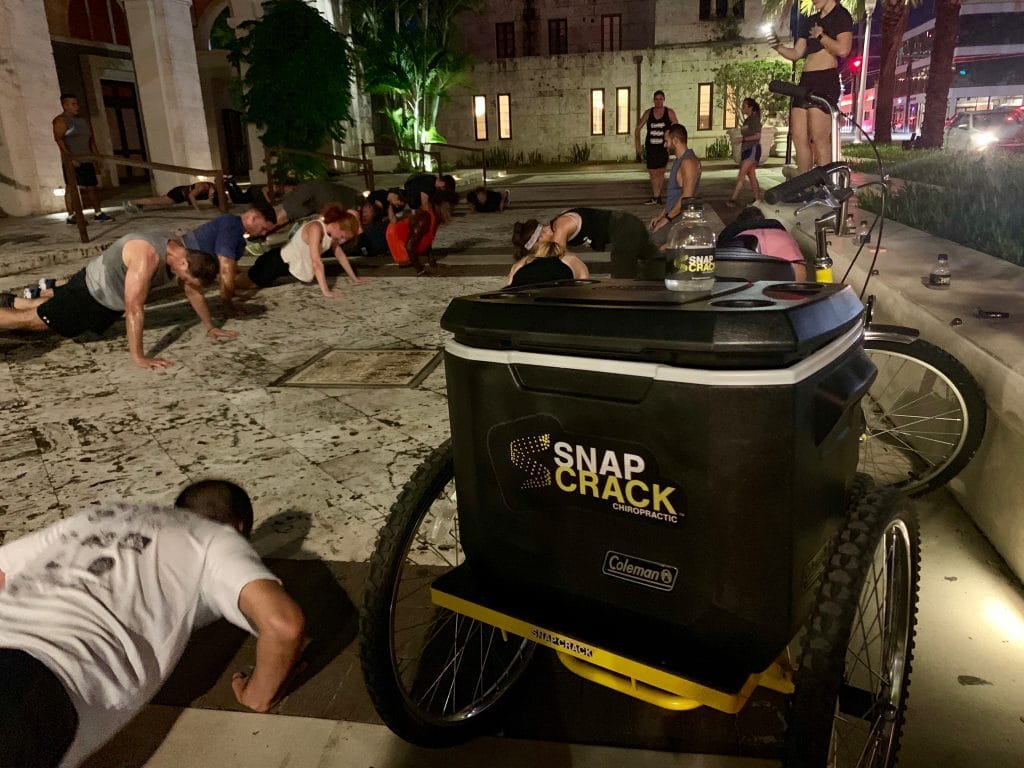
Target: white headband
{"points": [[533, 238]]}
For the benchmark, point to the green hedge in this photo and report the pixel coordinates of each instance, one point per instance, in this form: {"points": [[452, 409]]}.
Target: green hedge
{"points": [[975, 200]]}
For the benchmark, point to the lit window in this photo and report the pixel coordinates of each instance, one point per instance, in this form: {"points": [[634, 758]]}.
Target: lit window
{"points": [[729, 113], [504, 116], [704, 91], [597, 112], [480, 117], [622, 110]]}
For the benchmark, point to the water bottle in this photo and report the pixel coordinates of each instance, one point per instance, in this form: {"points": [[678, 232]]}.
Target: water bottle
{"points": [[690, 251], [939, 277]]}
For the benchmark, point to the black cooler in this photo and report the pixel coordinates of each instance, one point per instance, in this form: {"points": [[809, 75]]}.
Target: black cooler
{"points": [[656, 474]]}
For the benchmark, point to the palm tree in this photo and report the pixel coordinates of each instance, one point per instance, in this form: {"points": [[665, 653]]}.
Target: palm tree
{"points": [[940, 71], [894, 24], [406, 52]]}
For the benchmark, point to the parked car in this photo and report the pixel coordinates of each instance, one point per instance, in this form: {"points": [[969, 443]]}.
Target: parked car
{"points": [[975, 131]]}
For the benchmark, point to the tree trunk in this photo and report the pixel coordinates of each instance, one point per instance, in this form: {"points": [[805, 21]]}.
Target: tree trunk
{"points": [[940, 71], [894, 24]]}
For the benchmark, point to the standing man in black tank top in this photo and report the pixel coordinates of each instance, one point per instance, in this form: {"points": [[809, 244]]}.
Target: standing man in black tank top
{"points": [[658, 120]]}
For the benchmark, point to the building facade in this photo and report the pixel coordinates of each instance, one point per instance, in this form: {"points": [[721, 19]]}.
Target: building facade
{"points": [[554, 79]]}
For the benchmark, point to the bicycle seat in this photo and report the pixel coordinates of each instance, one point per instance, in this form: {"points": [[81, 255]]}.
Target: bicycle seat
{"points": [[732, 261]]}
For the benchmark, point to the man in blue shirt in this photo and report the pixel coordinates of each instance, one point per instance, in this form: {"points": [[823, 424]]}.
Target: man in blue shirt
{"points": [[224, 237]]}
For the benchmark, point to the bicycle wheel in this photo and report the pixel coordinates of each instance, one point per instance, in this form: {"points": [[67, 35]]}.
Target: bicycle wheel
{"points": [[924, 414], [856, 656], [433, 675]]}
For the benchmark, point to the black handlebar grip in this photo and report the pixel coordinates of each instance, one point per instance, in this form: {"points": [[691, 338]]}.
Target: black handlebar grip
{"points": [[787, 88], [795, 185]]}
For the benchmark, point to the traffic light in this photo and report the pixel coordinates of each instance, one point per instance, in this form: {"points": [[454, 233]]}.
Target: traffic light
{"points": [[855, 63]]}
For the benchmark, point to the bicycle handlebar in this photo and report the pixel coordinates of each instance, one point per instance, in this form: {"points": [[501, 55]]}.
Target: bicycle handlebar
{"points": [[794, 91], [818, 176]]}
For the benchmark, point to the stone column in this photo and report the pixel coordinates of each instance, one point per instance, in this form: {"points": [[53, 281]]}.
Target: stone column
{"points": [[29, 98], [167, 76], [242, 11]]}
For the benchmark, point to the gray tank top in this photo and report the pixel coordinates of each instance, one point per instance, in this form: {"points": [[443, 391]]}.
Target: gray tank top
{"points": [[77, 136], [105, 275], [673, 191]]}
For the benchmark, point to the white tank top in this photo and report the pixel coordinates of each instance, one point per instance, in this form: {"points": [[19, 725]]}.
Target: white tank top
{"points": [[296, 252]]}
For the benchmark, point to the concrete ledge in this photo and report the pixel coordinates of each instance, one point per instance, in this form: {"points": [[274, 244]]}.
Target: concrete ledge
{"points": [[991, 488]]}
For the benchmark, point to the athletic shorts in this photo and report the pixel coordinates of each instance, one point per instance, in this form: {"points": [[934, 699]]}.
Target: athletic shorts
{"points": [[657, 156], [73, 310], [85, 175], [38, 721], [178, 194], [751, 152], [823, 82]]}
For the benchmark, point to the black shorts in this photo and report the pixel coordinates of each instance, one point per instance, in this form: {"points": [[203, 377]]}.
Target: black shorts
{"points": [[657, 156], [73, 310], [85, 175], [823, 82], [38, 720], [178, 194]]}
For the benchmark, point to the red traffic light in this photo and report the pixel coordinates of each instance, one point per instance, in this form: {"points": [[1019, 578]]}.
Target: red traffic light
{"points": [[855, 63]]}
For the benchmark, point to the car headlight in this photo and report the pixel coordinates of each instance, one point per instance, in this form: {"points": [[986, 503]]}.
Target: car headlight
{"points": [[982, 140]]}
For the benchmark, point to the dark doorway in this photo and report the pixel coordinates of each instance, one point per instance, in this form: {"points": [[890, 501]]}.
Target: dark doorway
{"points": [[236, 142], [121, 106]]}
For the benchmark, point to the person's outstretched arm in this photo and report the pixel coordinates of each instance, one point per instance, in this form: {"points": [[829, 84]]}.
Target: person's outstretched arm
{"points": [[636, 131], [280, 624]]}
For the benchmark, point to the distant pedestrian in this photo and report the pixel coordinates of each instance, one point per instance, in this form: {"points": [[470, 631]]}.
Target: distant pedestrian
{"points": [[750, 150], [657, 119], [74, 137]]}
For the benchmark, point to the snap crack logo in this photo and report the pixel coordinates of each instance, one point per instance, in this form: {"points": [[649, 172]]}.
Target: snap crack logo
{"points": [[538, 464], [639, 571]]}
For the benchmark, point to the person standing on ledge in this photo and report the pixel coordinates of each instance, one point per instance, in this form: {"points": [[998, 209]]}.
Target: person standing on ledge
{"points": [[658, 120], [825, 37]]}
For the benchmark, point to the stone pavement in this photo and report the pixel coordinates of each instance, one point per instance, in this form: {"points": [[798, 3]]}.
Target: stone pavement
{"points": [[80, 424]]}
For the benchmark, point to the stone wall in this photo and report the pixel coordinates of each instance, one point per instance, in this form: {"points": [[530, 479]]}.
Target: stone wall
{"points": [[551, 97]]}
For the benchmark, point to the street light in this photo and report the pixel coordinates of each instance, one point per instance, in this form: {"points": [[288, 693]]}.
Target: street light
{"points": [[869, 10]]}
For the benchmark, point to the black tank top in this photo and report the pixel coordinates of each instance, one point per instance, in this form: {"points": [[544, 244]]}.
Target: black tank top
{"points": [[546, 270], [656, 128], [594, 228]]}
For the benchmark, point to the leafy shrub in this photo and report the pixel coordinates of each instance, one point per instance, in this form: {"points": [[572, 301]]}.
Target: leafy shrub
{"points": [[578, 153], [719, 149]]}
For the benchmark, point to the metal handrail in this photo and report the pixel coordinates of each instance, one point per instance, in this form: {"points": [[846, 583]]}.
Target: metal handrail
{"points": [[391, 145], [68, 161], [481, 150], [365, 165]]}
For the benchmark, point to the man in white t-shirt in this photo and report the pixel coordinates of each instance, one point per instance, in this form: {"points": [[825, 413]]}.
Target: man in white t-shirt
{"points": [[96, 610]]}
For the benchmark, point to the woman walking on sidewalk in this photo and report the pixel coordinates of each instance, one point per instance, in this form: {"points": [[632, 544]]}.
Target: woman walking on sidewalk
{"points": [[750, 151]]}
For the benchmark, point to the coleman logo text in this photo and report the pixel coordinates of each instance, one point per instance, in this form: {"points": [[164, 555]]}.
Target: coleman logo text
{"points": [[639, 571]]}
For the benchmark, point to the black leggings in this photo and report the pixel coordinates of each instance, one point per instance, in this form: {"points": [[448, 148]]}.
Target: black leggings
{"points": [[38, 721]]}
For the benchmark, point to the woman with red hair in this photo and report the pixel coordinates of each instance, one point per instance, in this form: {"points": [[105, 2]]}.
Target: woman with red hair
{"points": [[302, 256]]}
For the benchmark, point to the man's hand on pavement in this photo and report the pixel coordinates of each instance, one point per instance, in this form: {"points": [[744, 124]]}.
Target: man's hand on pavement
{"points": [[152, 363], [220, 333]]}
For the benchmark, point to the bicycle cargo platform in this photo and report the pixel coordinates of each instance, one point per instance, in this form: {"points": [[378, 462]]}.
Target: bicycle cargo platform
{"points": [[661, 470]]}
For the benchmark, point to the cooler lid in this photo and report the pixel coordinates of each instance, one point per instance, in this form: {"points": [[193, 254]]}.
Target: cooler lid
{"points": [[738, 325]]}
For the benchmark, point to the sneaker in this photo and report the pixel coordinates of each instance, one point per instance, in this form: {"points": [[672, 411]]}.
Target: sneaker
{"points": [[101, 216], [71, 220], [129, 207]]}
